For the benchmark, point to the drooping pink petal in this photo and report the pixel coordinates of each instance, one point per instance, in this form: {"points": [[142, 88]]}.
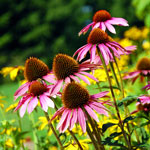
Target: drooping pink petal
{"points": [[108, 52], [23, 108], [89, 75], [22, 101], [116, 53], [104, 54], [49, 78], [91, 113], [83, 52], [56, 88], [78, 50], [32, 104], [102, 26], [63, 118], [110, 27], [58, 112], [132, 75], [81, 119], [22, 90], [73, 119], [66, 125], [118, 21], [74, 78], [96, 25], [98, 109], [93, 52], [83, 78], [86, 28], [101, 94], [43, 103]]}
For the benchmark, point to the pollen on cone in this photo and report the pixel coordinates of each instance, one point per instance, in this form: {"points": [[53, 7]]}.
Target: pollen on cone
{"points": [[74, 95], [34, 69], [101, 16], [64, 66], [97, 36], [37, 88], [143, 64]]}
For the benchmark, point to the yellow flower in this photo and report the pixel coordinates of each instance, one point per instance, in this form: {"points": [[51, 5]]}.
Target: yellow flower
{"points": [[74, 146], [146, 45], [125, 42], [133, 33], [43, 124], [2, 101], [11, 107], [9, 143], [145, 32], [12, 71]]}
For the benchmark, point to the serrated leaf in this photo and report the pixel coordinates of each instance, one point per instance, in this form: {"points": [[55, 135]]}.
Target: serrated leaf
{"points": [[107, 125]]}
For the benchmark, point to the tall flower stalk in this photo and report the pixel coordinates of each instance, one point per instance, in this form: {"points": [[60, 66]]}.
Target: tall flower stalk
{"points": [[115, 103]]}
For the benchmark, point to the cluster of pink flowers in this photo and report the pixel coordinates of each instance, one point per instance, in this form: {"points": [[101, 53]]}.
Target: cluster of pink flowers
{"points": [[43, 85]]}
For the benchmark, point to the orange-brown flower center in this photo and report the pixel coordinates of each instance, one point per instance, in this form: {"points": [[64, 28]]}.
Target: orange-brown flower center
{"points": [[74, 95], [34, 69], [37, 88], [101, 15], [64, 66], [143, 64], [97, 36]]}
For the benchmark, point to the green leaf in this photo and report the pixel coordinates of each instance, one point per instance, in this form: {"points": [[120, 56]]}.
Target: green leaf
{"points": [[128, 100], [107, 125], [128, 119]]}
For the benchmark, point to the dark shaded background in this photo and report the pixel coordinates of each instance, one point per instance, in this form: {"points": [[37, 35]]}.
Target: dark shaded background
{"points": [[43, 28]]}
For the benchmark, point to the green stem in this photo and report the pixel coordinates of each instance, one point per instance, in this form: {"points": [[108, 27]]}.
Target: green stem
{"points": [[91, 137], [74, 137], [101, 147], [35, 137], [114, 99], [114, 74], [20, 125], [98, 84], [53, 130], [122, 88], [2, 112]]}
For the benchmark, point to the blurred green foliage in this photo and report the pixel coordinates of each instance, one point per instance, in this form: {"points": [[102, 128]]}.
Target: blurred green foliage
{"points": [[43, 28], [143, 10]]}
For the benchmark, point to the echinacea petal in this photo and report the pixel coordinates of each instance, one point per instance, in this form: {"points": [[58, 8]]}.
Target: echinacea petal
{"points": [[74, 78], [89, 75], [98, 95], [83, 78], [57, 113], [119, 21], [22, 90], [99, 110], [63, 118], [23, 108], [32, 104], [56, 88], [80, 49], [93, 52], [91, 113], [102, 26], [81, 119], [49, 78], [73, 119], [110, 28], [66, 125], [132, 75], [43, 103]]}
